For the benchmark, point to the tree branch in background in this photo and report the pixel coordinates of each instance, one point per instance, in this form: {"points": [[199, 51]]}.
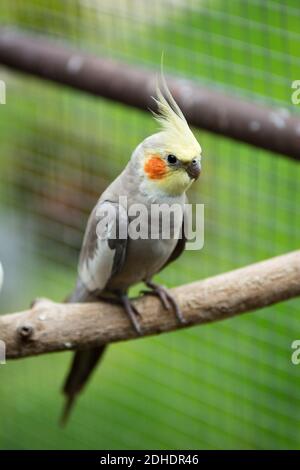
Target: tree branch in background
{"points": [[265, 127], [50, 326]]}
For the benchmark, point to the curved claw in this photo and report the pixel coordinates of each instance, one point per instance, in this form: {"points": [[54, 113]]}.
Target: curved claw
{"points": [[166, 299], [178, 312], [163, 298], [132, 313]]}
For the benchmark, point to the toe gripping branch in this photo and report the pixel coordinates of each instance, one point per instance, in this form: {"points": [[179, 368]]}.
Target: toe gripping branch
{"points": [[166, 299]]}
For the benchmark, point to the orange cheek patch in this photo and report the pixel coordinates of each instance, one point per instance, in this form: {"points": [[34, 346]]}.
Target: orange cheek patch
{"points": [[155, 167]]}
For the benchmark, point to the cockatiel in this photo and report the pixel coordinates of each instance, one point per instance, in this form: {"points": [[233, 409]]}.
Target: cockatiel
{"points": [[160, 171]]}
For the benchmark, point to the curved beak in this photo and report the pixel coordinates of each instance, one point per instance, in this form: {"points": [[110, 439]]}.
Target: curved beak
{"points": [[193, 169]]}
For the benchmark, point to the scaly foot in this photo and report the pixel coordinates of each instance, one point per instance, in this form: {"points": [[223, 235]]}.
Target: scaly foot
{"points": [[131, 311], [166, 299]]}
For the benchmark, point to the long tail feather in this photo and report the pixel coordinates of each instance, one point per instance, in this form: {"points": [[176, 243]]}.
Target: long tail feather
{"points": [[83, 363], [70, 400]]}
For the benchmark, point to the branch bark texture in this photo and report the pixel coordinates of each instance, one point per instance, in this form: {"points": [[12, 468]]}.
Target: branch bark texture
{"points": [[265, 127], [50, 326]]}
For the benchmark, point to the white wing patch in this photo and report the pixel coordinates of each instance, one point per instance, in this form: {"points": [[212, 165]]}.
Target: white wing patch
{"points": [[99, 248], [95, 272]]}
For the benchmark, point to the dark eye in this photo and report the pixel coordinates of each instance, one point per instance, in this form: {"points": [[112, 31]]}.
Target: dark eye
{"points": [[172, 159]]}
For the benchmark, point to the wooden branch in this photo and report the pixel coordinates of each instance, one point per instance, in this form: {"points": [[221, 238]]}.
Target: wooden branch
{"points": [[265, 127], [50, 326]]}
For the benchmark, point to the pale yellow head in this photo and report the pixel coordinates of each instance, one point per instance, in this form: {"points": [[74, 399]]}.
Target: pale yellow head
{"points": [[172, 157]]}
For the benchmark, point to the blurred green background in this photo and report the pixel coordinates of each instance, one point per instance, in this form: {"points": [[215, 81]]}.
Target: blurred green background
{"points": [[221, 386]]}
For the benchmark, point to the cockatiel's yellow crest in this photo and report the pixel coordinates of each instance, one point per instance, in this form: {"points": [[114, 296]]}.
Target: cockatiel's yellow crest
{"points": [[178, 137], [171, 158]]}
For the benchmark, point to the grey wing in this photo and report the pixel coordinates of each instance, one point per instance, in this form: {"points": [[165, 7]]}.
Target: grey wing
{"points": [[180, 246], [104, 245]]}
